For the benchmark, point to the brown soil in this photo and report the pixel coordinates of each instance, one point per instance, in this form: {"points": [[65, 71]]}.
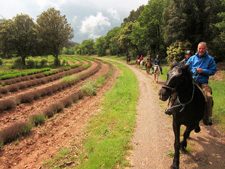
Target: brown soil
{"points": [[64, 130]]}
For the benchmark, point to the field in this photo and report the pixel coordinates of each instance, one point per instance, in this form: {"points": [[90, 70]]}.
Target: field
{"points": [[54, 117], [30, 103]]}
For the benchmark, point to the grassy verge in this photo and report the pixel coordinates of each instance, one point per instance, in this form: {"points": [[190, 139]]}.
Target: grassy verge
{"points": [[218, 89], [110, 131]]}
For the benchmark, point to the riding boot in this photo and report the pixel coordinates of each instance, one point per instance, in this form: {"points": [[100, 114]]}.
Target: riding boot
{"points": [[208, 112]]}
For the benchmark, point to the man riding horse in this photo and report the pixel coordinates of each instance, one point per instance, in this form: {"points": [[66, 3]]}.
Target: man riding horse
{"points": [[203, 65], [158, 62], [148, 64]]}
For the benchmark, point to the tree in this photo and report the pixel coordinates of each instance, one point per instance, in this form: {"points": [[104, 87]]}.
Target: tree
{"points": [[100, 46], [123, 39], [151, 23], [176, 51], [88, 46], [221, 24], [54, 31], [5, 47], [111, 42], [21, 34]]}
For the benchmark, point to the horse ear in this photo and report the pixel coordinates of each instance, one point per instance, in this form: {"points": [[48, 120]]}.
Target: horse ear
{"points": [[187, 65], [174, 63]]}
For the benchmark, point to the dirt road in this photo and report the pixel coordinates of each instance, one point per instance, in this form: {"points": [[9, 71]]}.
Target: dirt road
{"points": [[153, 138]]}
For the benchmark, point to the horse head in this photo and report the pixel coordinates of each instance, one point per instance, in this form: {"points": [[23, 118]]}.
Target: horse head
{"points": [[175, 77]]}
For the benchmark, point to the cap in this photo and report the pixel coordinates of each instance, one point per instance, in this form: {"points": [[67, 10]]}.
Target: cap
{"points": [[188, 52]]}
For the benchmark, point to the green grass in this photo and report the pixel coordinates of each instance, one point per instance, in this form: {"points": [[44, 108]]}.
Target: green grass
{"points": [[218, 89], [164, 75], [110, 131]]}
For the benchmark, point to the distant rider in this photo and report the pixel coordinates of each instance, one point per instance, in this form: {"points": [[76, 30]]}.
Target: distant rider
{"points": [[158, 62]]}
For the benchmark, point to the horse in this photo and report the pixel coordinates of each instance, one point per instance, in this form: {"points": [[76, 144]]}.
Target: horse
{"points": [[128, 60], [148, 67], [137, 62], [188, 108], [142, 63], [156, 71]]}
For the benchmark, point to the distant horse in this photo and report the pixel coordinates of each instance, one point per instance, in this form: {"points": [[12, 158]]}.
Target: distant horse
{"points": [[188, 108], [148, 67], [128, 60], [137, 62], [156, 71], [142, 63]]}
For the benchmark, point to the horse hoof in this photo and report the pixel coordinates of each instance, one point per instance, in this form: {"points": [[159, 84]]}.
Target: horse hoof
{"points": [[197, 129], [174, 167]]}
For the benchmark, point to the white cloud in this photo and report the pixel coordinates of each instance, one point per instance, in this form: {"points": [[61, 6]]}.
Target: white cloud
{"points": [[50, 3], [93, 25], [114, 14]]}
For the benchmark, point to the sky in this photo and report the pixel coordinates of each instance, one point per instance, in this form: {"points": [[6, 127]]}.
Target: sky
{"points": [[88, 18]]}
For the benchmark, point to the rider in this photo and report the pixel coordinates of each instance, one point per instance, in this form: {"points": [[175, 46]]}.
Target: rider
{"points": [[187, 56], [149, 61], [158, 62], [204, 65], [141, 60]]}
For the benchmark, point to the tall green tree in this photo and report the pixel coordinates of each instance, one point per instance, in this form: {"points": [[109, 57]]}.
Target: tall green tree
{"points": [[100, 46], [5, 47], [124, 39], [21, 34], [111, 42], [54, 31], [193, 21], [88, 46], [151, 20], [221, 24]]}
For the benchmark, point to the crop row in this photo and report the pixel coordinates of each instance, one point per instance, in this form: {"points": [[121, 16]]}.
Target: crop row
{"points": [[9, 103], [22, 128], [43, 79]]}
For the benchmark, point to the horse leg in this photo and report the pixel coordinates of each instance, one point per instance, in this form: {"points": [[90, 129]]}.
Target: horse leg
{"points": [[176, 159], [185, 136]]}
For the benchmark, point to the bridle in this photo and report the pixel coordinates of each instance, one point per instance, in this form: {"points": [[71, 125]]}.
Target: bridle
{"points": [[180, 104]]}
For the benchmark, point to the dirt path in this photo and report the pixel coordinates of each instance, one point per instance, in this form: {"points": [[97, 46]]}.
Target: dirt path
{"points": [[153, 138]]}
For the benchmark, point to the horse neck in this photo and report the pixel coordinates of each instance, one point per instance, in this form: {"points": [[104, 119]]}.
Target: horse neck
{"points": [[185, 90]]}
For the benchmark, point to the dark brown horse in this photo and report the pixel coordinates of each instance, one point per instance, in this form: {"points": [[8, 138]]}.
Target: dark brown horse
{"points": [[128, 60], [148, 67], [188, 108]]}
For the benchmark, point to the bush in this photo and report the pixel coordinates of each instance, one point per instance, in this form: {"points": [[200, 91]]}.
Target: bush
{"points": [[43, 62], [30, 64], [37, 119], [1, 61], [12, 132], [176, 51], [18, 63]]}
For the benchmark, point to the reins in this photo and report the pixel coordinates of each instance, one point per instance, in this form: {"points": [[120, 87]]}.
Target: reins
{"points": [[182, 104]]}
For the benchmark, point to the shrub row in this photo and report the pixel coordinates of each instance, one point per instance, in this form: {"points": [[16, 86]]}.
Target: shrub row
{"points": [[15, 78], [11, 102], [25, 73], [43, 80], [16, 130]]}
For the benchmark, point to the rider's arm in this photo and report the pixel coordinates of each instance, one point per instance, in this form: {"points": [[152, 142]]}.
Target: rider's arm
{"points": [[211, 70]]}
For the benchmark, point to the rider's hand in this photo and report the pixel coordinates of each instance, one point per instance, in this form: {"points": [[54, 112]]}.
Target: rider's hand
{"points": [[199, 70]]}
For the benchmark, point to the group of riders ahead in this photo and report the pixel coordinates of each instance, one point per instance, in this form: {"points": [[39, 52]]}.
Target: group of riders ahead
{"points": [[202, 65], [139, 61]]}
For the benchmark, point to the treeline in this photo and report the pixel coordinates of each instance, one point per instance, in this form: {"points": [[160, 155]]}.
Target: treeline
{"points": [[23, 37], [166, 28]]}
